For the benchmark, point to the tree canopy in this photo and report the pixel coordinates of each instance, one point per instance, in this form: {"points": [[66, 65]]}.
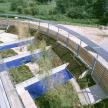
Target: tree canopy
{"points": [[74, 9]]}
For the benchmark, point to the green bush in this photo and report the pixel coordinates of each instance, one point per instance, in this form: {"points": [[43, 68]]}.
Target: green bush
{"points": [[76, 12], [31, 10], [104, 19], [2, 1], [44, 1], [20, 9], [59, 97], [13, 6]]}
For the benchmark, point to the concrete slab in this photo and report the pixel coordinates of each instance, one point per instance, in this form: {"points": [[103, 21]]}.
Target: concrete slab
{"points": [[7, 37], [4, 103], [33, 67], [11, 93]]}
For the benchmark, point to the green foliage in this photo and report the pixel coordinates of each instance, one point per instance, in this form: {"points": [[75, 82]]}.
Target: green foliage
{"points": [[20, 9], [2, 1], [24, 7], [60, 10], [75, 8], [104, 19], [59, 97], [44, 1], [7, 53], [85, 82], [4, 7], [101, 11], [76, 12], [20, 74]]}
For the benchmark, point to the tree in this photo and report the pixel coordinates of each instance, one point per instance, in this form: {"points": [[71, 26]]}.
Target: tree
{"points": [[101, 11], [76, 8], [44, 1]]}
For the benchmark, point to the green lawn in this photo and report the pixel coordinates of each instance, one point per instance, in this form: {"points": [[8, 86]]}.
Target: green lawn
{"points": [[20, 74]]}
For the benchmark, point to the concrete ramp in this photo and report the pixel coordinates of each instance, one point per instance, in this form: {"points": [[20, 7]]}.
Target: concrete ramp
{"points": [[93, 94], [11, 98]]}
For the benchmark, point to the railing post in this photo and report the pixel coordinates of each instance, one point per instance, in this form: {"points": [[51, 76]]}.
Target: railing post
{"points": [[67, 41], [48, 29], [78, 49], [39, 25], [7, 22], [57, 33], [29, 29], [94, 64]]}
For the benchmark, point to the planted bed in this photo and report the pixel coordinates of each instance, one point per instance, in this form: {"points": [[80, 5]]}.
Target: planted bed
{"points": [[20, 74]]}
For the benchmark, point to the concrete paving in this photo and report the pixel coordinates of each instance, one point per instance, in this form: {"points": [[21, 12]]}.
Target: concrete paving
{"points": [[4, 103], [7, 37], [13, 98], [104, 44]]}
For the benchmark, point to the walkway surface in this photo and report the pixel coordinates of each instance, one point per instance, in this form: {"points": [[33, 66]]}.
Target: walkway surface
{"points": [[7, 37], [94, 94], [10, 92], [3, 98]]}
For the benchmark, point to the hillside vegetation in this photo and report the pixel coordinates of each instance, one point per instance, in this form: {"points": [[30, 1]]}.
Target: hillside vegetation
{"points": [[65, 11]]}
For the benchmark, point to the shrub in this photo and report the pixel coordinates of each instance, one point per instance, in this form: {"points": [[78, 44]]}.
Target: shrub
{"points": [[2, 1], [20, 9], [13, 6], [104, 19], [31, 10], [76, 12]]}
